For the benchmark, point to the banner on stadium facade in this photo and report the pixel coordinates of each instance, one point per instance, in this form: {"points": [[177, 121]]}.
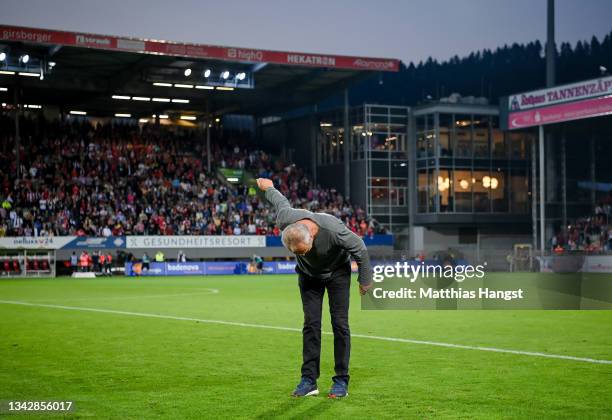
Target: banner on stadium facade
{"points": [[86, 242], [559, 113], [35, 242], [559, 94], [205, 268], [113, 43], [597, 264], [185, 242]]}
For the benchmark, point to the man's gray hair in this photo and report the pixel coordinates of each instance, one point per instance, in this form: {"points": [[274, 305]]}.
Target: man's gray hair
{"points": [[294, 234]]}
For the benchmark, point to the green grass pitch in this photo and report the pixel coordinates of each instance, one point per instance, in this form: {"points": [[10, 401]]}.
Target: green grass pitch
{"points": [[128, 362]]}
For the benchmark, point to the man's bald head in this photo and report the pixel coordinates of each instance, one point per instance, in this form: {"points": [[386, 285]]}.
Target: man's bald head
{"points": [[297, 238]]}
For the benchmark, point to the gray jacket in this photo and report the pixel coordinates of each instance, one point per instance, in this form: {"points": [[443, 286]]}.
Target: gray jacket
{"points": [[333, 245]]}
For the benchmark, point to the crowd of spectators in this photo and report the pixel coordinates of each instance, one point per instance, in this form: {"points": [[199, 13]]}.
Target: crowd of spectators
{"points": [[112, 179], [588, 234]]}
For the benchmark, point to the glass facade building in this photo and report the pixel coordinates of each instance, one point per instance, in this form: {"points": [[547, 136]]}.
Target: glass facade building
{"points": [[465, 164], [452, 159], [378, 158]]}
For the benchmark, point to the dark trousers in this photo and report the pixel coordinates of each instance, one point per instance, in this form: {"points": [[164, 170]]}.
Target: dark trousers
{"points": [[312, 291]]}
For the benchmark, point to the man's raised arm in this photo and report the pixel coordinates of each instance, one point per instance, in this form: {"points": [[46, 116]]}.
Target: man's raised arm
{"points": [[285, 215]]}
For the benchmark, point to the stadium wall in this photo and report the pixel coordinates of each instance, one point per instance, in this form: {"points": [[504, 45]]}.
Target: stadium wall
{"points": [[492, 245], [194, 247]]}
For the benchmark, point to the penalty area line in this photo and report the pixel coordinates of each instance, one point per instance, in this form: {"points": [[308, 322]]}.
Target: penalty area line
{"points": [[279, 328]]}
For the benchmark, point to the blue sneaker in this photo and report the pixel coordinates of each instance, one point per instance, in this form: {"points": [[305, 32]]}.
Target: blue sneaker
{"points": [[306, 388], [339, 389]]}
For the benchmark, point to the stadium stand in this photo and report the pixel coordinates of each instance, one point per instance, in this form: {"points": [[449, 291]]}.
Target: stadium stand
{"points": [[113, 179], [591, 233]]}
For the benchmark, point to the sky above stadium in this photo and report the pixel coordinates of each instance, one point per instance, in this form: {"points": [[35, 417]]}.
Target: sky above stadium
{"points": [[409, 30]]}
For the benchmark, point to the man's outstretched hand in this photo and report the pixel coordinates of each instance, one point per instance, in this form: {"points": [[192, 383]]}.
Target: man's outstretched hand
{"points": [[363, 288], [264, 183]]}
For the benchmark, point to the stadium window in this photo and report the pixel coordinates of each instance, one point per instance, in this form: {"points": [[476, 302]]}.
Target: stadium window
{"points": [[357, 143], [402, 193], [432, 190], [498, 144], [519, 191], [422, 191], [380, 196], [462, 188], [430, 138], [444, 188], [420, 124], [445, 129], [481, 137], [518, 145], [499, 191], [379, 182], [463, 136], [429, 122], [482, 188], [421, 145], [393, 196]]}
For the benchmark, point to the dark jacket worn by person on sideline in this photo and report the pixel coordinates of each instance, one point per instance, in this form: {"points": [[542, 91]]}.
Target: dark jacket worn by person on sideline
{"points": [[333, 245]]}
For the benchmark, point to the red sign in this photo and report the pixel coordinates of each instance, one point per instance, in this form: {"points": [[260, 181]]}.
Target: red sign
{"points": [[559, 113], [107, 42]]}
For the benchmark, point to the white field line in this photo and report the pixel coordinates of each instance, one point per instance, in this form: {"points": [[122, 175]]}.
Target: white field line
{"points": [[205, 291], [278, 328]]}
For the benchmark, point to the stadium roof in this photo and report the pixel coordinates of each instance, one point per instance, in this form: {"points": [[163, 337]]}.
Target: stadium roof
{"points": [[83, 71]]}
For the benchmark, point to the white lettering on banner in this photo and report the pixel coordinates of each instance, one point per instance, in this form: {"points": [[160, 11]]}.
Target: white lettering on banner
{"points": [[92, 40], [45, 242], [311, 60], [25, 36], [182, 267], [560, 94], [245, 241], [245, 55], [286, 266], [368, 64]]}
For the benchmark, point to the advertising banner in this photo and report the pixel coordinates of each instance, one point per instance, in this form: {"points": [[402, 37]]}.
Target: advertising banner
{"points": [[84, 242], [559, 94], [185, 242], [597, 264], [108, 42], [204, 268], [186, 268], [560, 113], [35, 242]]}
